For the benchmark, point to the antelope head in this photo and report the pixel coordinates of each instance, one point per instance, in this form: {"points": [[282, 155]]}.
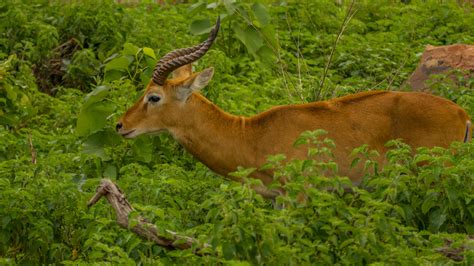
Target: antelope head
{"points": [[163, 104]]}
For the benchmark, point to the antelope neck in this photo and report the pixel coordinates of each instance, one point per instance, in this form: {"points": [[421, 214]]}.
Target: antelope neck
{"points": [[213, 136]]}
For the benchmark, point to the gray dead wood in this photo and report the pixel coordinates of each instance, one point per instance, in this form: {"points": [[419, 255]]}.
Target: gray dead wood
{"points": [[142, 228]]}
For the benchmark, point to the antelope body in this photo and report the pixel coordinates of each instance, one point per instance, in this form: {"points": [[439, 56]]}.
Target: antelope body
{"points": [[224, 142]]}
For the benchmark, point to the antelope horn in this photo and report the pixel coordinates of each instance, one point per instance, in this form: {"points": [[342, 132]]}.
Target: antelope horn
{"points": [[183, 56]]}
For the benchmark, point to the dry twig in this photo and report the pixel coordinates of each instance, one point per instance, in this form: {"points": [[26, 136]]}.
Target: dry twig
{"points": [[143, 228], [350, 13]]}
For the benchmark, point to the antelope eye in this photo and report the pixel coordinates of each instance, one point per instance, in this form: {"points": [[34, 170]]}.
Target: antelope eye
{"points": [[154, 98]]}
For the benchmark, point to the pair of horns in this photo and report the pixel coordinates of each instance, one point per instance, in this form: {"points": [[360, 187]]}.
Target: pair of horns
{"points": [[183, 56]]}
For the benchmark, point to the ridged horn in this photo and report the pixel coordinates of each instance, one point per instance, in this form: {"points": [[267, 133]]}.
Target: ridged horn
{"points": [[183, 56]]}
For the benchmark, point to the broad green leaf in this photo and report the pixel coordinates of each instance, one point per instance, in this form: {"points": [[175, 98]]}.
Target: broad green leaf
{"points": [[266, 55], [244, 14], [120, 63], [212, 5], [97, 150], [250, 38], [261, 14], [130, 49], [93, 118], [197, 8], [270, 37], [113, 74], [230, 6], [97, 95], [95, 144], [228, 250], [149, 52], [437, 219], [110, 171], [150, 63], [143, 149], [145, 76], [200, 26]]}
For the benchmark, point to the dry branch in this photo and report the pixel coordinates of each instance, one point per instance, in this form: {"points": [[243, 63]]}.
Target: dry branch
{"points": [[142, 228], [349, 14]]}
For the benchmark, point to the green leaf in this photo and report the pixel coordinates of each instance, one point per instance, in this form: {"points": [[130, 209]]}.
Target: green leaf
{"points": [[120, 63], [110, 171], [355, 162], [24, 100], [437, 219], [212, 5], [242, 172], [11, 93], [266, 55], [93, 118], [230, 6], [200, 26], [197, 8], [142, 149], [149, 52], [270, 36], [95, 143], [307, 164], [429, 202], [300, 141], [250, 38], [228, 250], [5, 221], [421, 157], [112, 75], [145, 76], [95, 254], [97, 95], [150, 63], [130, 49], [261, 14]]}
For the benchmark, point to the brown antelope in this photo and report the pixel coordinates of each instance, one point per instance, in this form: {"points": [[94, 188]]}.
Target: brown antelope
{"points": [[224, 142]]}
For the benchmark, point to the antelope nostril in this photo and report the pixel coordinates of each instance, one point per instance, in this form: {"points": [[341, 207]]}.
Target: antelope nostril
{"points": [[118, 126]]}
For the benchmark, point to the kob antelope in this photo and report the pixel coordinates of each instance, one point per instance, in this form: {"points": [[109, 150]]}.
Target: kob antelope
{"points": [[223, 141]]}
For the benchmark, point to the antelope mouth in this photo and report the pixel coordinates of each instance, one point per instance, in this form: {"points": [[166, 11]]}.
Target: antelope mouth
{"points": [[127, 134]]}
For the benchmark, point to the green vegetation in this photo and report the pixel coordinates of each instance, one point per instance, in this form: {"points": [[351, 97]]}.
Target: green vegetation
{"points": [[68, 71]]}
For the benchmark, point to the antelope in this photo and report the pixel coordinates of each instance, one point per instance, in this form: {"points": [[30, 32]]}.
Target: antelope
{"points": [[223, 141]]}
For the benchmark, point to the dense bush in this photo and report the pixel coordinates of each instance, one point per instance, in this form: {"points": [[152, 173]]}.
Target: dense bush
{"points": [[93, 58]]}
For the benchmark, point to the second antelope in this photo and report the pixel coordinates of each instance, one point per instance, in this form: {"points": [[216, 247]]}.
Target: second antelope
{"points": [[224, 142]]}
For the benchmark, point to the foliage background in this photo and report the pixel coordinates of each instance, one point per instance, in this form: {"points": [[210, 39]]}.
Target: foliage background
{"points": [[68, 70]]}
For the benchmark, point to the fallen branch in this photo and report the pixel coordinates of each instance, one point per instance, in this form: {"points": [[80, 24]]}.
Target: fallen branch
{"points": [[143, 228]]}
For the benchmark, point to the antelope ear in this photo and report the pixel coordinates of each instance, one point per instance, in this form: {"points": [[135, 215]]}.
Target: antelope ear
{"points": [[183, 72], [195, 83]]}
